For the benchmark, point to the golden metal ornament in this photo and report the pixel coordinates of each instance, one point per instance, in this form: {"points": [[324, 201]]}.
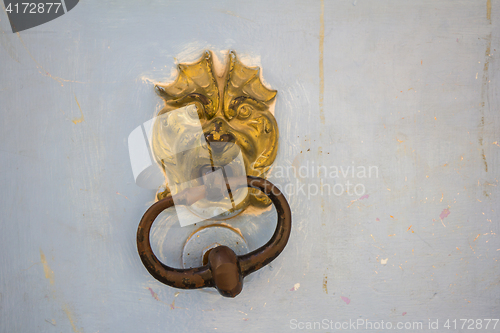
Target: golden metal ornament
{"points": [[231, 107]]}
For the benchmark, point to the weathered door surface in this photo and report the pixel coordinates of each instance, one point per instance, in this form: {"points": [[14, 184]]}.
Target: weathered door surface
{"points": [[388, 113]]}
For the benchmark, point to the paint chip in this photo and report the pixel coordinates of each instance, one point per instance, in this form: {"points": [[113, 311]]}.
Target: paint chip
{"points": [[295, 287], [346, 300], [384, 261], [155, 295], [444, 214]]}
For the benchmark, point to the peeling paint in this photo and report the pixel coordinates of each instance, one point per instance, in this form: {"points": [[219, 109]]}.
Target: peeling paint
{"points": [[444, 214]]}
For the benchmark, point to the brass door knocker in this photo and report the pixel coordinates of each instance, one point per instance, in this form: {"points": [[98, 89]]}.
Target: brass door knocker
{"points": [[214, 141]]}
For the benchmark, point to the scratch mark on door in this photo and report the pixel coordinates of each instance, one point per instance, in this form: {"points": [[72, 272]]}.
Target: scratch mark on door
{"points": [[41, 69], [82, 118], [49, 274]]}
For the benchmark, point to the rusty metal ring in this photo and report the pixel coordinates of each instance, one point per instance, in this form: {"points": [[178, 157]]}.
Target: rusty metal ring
{"points": [[225, 270]]}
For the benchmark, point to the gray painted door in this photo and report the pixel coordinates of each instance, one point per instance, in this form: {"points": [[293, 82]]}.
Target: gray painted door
{"points": [[389, 151]]}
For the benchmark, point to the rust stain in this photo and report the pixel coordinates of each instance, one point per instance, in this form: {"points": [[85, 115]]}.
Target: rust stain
{"points": [[325, 284], [484, 161], [49, 274], [68, 313], [123, 195], [82, 118], [485, 96], [488, 10], [321, 67], [484, 87]]}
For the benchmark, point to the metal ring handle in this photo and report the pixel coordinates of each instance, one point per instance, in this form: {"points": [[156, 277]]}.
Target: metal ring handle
{"points": [[225, 270]]}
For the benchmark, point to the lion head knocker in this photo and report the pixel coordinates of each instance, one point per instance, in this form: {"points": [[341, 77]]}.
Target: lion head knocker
{"points": [[214, 141], [230, 111]]}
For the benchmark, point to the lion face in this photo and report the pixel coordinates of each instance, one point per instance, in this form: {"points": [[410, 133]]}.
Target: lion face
{"points": [[213, 122]]}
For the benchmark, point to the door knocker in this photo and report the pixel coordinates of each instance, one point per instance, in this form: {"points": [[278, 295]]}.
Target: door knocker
{"points": [[214, 141]]}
